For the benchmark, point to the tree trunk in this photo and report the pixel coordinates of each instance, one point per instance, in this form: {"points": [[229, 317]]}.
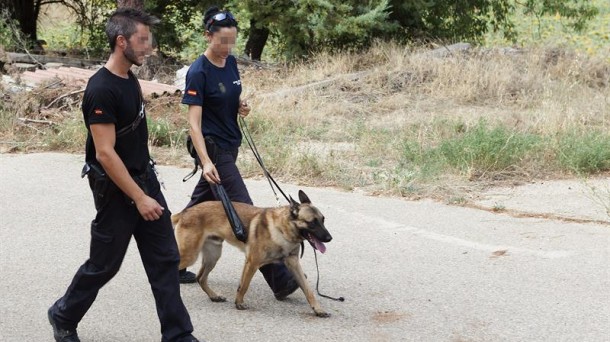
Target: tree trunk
{"points": [[257, 39], [26, 13], [137, 4]]}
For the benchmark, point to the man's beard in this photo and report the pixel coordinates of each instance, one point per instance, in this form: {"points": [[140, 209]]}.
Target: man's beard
{"points": [[130, 54]]}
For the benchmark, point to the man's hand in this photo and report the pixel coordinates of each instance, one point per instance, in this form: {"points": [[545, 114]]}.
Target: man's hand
{"points": [[150, 209]]}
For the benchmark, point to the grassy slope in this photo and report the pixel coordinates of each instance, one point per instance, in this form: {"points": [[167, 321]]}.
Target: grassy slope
{"points": [[408, 124]]}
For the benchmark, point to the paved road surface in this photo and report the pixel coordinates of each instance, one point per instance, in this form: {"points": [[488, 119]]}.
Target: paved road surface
{"points": [[410, 271]]}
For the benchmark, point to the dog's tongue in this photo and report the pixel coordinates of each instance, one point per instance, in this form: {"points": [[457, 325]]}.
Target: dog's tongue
{"points": [[317, 244]]}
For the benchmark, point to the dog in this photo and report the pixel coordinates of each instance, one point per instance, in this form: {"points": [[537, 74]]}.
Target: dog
{"points": [[273, 234]]}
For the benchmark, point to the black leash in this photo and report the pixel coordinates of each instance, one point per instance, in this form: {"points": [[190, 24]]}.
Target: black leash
{"points": [[246, 134], [339, 299]]}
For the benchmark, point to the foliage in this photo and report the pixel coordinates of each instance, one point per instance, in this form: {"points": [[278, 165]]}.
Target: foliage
{"points": [[554, 30], [471, 19], [300, 27], [401, 127], [7, 30], [483, 149], [180, 19], [11, 37], [584, 152]]}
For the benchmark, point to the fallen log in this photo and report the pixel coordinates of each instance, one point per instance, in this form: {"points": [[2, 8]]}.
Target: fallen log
{"points": [[44, 59]]}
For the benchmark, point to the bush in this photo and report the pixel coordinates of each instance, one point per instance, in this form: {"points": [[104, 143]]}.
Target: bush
{"points": [[482, 149], [584, 152]]}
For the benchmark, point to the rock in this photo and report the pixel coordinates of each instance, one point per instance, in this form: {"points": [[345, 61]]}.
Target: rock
{"points": [[448, 50], [25, 67], [53, 65]]}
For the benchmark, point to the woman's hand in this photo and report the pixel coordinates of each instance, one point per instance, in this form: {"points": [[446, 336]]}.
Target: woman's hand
{"points": [[244, 109], [209, 173]]}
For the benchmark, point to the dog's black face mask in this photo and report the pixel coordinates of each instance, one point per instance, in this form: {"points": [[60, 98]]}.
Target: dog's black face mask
{"points": [[310, 222]]}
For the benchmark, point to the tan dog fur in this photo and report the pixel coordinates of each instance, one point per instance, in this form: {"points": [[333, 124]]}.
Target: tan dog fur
{"points": [[274, 234]]}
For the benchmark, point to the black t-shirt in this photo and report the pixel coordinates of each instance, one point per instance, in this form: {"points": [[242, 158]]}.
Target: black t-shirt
{"points": [[110, 98], [217, 91]]}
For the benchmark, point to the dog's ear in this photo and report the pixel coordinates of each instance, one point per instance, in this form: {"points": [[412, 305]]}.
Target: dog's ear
{"points": [[294, 208], [303, 198]]}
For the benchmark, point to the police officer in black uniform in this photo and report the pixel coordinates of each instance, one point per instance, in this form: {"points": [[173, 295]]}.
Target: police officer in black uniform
{"points": [[126, 191], [213, 89]]}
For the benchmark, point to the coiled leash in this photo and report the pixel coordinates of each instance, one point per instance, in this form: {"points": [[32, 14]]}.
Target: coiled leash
{"points": [[248, 137]]}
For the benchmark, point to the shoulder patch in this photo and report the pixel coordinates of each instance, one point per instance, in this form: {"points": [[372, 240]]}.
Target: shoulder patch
{"points": [[192, 92]]}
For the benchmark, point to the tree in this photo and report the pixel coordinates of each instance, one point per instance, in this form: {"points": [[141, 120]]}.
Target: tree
{"points": [[137, 4], [25, 12], [301, 27], [471, 19], [257, 39]]}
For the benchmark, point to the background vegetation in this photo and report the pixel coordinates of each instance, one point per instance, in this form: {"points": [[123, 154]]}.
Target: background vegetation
{"points": [[296, 29], [383, 115]]}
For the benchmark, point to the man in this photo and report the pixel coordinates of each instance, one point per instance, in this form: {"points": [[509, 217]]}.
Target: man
{"points": [[125, 189]]}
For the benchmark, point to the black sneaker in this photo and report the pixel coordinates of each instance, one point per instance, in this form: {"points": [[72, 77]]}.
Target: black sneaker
{"points": [[286, 290], [62, 335], [187, 277]]}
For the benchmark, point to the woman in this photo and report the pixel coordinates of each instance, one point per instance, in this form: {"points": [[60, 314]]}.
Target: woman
{"points": [[212, 93]]}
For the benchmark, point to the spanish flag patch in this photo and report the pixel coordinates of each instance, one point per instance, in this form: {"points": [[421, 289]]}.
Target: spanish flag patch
{"points": [[98, 112], [192, 92]]}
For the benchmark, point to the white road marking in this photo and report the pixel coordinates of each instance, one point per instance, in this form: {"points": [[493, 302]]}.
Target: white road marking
{"points": [[394, 227]]}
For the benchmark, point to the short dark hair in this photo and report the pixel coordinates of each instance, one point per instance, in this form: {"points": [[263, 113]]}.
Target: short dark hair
{"points": [[123, 21], [212, 25]]}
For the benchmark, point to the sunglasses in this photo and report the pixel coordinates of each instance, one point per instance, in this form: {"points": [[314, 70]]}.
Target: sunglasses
{"points": [[218, 17]]}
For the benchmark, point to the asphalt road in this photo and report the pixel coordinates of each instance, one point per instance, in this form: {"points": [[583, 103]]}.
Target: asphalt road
{"points": [[410, 271]]}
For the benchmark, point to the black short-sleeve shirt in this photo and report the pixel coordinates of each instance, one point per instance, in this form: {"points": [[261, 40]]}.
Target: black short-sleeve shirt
{"points": [[217, 91], [112, 99]]}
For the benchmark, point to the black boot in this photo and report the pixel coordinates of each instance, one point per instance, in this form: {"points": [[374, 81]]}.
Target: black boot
{"points": [[62, 335], [280, 280], [187, 277]]}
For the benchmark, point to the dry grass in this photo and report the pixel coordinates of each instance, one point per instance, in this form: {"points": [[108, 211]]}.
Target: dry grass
{"points": [[396, 120], [352, 131]]}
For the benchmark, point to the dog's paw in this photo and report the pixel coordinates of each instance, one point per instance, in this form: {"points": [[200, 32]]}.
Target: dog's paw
{"points": [[218, 299], [322, 314], [241, 306]]}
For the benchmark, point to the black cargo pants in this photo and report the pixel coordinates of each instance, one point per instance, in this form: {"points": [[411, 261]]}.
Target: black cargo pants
{"points": [[117, 220]]}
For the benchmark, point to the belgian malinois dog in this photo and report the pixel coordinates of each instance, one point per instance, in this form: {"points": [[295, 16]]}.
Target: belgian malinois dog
{"points": [[274, 234]]}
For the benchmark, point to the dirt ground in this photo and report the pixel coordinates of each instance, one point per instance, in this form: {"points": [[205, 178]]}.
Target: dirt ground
{"points": [[579, 200]]}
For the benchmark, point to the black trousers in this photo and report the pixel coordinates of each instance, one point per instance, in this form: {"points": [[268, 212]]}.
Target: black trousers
{"points": [[117, 220], [276, 275]]}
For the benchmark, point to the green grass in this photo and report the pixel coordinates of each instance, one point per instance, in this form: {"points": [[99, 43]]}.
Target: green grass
{"points": [[584, 152], [483, 149], [411, 125]]}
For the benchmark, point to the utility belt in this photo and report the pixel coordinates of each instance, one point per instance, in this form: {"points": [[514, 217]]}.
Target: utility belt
{"points": [[103, 187], [213, 151], [95, 170]]}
